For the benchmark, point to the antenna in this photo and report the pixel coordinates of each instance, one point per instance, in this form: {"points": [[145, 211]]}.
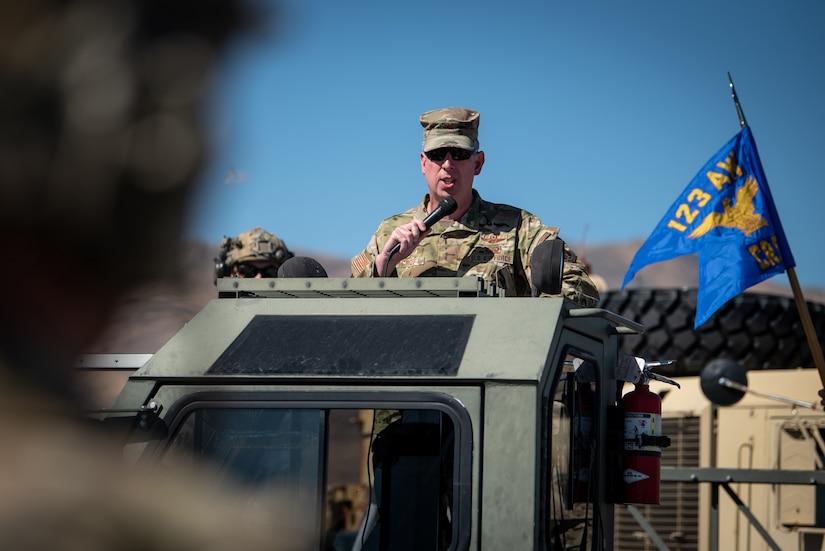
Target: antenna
{"points": [[724, 381], [742, 122]]}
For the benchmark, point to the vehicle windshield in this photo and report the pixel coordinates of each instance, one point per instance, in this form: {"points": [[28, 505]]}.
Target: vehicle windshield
{"points": [[338, 470]]}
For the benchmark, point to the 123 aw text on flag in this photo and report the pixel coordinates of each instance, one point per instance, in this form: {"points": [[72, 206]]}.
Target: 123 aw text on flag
{"points": [[727, 216]]}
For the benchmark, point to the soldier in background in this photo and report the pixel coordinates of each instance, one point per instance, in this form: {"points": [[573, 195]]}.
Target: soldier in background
{"points": [[598, 281], [100, 141], [254, 253], [480, 239]]}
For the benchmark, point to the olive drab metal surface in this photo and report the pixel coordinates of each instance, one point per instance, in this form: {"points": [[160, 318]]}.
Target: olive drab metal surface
{"points": [[430, 413]]}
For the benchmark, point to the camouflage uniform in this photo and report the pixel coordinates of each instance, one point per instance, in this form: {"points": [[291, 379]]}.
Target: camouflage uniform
{"points": [[491, 241]]}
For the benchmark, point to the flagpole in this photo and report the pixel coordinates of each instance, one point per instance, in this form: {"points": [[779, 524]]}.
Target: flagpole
{"points": [[799, 299], [807, 324]]}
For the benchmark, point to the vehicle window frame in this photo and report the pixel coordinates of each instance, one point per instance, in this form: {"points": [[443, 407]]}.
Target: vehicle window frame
{"points": [[590, 350], [461, 510]]}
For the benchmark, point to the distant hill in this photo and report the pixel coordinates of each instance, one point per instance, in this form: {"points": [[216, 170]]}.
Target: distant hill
{"points": [[150, 316], [153, 314]]}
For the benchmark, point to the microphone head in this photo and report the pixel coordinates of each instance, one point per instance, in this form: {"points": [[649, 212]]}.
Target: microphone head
{"points": [[448, 205], [445, 207]]}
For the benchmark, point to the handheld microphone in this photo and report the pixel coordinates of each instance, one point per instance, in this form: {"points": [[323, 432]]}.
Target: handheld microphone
{"points": [[445, 207]]}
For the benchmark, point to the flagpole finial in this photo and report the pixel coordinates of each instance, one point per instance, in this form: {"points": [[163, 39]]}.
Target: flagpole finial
{"points": [[742, 122]]}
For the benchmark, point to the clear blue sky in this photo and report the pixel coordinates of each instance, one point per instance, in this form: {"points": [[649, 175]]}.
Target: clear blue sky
{"points": [[595, 115]]}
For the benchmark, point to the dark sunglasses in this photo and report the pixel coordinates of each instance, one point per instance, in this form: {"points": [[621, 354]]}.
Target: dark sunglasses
{"points": [[455, 153], [248, 270]]}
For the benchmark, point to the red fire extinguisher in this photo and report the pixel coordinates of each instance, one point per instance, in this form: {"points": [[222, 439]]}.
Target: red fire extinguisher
{"points": [[643, 443]]}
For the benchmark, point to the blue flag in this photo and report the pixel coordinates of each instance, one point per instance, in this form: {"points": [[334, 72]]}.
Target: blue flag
{"points": [[726, 215]]}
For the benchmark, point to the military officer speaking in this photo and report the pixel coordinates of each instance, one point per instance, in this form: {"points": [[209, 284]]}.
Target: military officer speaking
{"points": [[479, 239]]}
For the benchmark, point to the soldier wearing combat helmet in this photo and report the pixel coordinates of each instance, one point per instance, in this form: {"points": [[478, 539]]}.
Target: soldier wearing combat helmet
{"points": [[254, 253], [480, 239]]}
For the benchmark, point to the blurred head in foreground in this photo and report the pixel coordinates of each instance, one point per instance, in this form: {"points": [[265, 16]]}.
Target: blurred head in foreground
{"points": [[100, 142]]}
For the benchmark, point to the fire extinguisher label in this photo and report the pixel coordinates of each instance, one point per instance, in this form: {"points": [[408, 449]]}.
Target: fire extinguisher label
{"points": [[632, 475], [637, 425]]}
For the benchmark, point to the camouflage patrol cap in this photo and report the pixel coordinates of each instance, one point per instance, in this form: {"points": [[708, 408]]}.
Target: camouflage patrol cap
{"points": [[256, 244], [450, 127]]}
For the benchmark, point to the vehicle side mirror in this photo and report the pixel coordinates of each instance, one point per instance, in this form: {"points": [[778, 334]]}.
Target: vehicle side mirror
{"points": [[714, 376], [546, 267]]}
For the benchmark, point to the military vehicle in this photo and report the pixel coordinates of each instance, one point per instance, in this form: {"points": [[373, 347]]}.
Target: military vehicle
{"points": [[744, 467], [740, 476], [422, 413]]}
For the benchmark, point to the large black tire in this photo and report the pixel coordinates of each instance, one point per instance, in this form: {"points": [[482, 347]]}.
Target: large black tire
{"points": [[757, 330]]}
